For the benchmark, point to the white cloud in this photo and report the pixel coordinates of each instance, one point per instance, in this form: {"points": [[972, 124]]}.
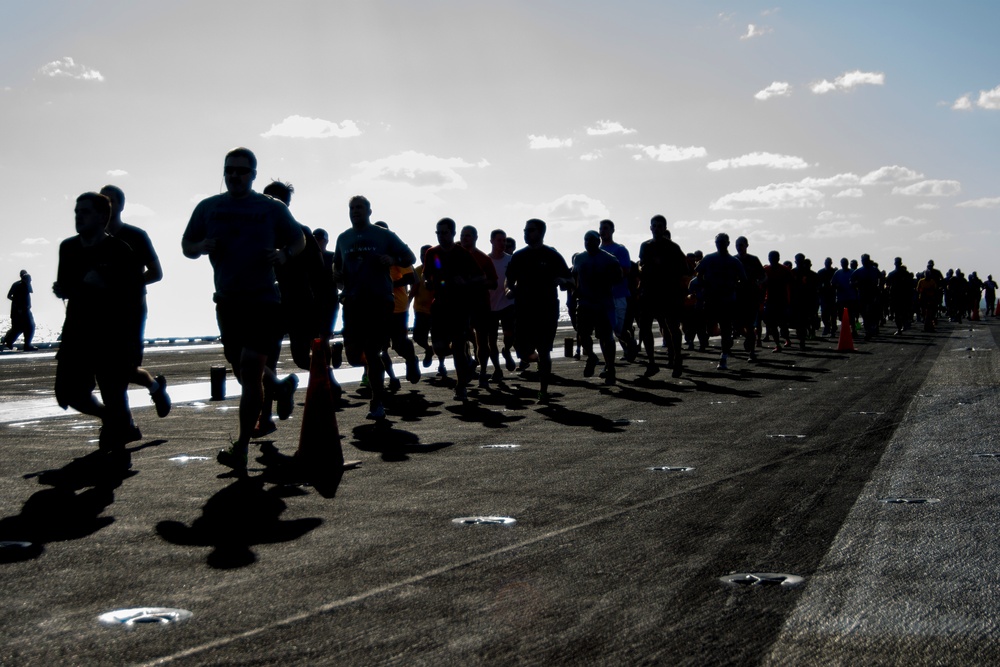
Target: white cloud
{"points": [[767, 236], [850, 193], [836, 181], [541, 141], [963, 103], [839, 229], [755, 31], [594, 155], [823, 86], [415, 169], [769, 12], [903, 221], [303, 127], [776, 89], [667, 153], [733, 224], [929, 188], [68, 68], [35, 241], [935, 236], [849, 80], [893, 174], [989, 99], [773, 196], [609, 127], [571, 211], [927, 207], [772, 160], [25, 255], [117, 172], [985, 202]]}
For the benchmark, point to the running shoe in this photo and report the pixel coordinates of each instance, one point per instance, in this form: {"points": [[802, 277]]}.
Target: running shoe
{"points": [[412, 371], [376, 411], [233, 458], [508, 358], [160, 397], [285, 398]]}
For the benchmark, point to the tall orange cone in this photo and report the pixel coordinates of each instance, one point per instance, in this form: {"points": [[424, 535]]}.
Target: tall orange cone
{"points": [[320, 455], [975, 314], [846, 342]]}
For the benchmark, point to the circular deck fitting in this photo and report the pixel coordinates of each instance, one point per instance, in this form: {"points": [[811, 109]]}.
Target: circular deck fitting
{"points": [[786, 435], [722, 402], [130, 618], [870, 413], [909, 501], [762, 579], [184, 458], [485, 521], [507, 445], [672, 468], [626, 422]]}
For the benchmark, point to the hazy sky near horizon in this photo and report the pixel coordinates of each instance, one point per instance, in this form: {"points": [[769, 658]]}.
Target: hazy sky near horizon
{"points": [[828, 128]]}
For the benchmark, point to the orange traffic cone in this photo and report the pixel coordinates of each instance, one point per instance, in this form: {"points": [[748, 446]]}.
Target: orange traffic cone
{"points": [[846, 342], [975, 314], [320, 455]]}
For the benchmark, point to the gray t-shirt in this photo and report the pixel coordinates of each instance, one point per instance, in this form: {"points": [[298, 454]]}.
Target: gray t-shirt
{"points": [[245, 230], [357, 259]]}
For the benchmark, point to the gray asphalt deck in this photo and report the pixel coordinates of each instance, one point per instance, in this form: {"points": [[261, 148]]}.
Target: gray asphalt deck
{"points": [[609, 562]]}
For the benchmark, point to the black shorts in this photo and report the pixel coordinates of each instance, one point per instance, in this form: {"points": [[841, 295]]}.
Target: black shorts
{"points": [[367, 325], [536, 327], [81, 368], [251, 326], [595, 318], [504, 318], [448, 325]]}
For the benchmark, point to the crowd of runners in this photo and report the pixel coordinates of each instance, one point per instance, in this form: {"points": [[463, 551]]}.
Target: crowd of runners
{"points": [[499, 309]]}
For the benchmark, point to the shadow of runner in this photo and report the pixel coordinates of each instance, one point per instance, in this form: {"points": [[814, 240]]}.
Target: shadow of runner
{"points": [[235, 519], [393, 444], [410, 406], [64, 512], [473, 413], [567, 417]]}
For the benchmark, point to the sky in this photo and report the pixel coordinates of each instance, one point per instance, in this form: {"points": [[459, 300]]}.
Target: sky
{"points": [[827, 128]]}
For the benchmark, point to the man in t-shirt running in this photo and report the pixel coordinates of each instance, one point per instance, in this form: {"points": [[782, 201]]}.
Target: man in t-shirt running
{"points": [[361, 262], [534, 275], [139, 241]]}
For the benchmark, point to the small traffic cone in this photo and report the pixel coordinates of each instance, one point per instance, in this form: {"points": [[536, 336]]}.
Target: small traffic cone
{"points": [[975, 314], [319, 454], [846, 342]]}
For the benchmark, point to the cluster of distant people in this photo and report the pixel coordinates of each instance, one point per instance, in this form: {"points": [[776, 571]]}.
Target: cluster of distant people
{"points": [[274, 277]]}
